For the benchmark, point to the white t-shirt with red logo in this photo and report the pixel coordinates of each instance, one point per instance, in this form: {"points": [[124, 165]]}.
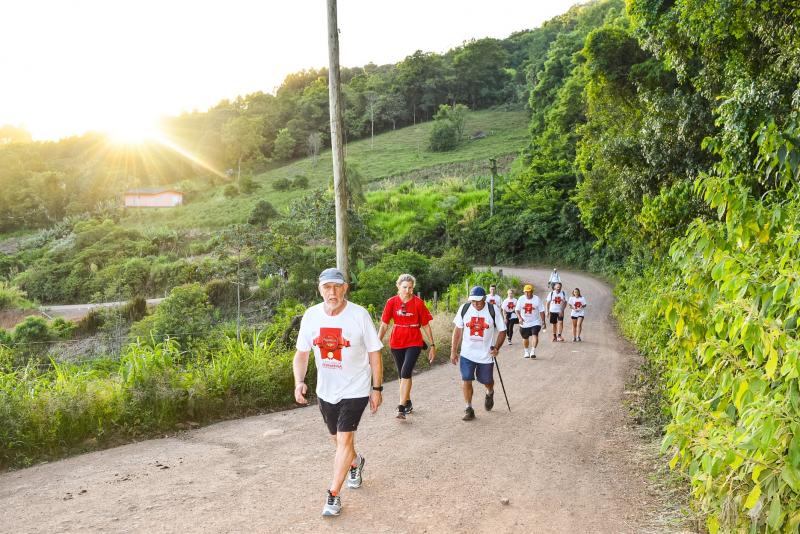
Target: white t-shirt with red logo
{"points": [[479, 331], [557, 300], [528, 310], [493, 299], [578, 306], [341, 344], [510, 307]]}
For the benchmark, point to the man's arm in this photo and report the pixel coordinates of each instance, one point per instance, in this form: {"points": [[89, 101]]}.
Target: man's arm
{"points": [[376, 364], [299, 368], [455, 344]]}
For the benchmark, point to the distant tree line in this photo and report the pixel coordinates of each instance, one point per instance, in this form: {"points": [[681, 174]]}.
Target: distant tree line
{"points": [[41, 182]]}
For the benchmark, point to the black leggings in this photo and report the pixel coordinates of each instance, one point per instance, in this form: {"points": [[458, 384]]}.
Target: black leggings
{"points": [[510, 327], [406, 359]]}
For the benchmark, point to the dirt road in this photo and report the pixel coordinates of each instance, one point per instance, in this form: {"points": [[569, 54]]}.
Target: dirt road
{"points": [[564, 457]]}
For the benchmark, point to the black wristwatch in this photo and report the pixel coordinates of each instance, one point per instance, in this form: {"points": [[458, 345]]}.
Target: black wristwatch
{"points": [[377, 388]]}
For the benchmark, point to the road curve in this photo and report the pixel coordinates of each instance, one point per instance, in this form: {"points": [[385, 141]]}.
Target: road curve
{"points": [[564, 457]]}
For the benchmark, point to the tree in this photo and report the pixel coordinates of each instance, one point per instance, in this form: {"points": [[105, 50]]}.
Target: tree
{"points": [[479, 71], [242, 138], [448, 127], [284, 145], [314, 142], [262, 213]]}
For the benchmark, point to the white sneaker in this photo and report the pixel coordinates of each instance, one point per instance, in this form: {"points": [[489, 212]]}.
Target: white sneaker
{"points": [[333, 505], [354, 476], [533, 354], [509, 342], [527, 354]]}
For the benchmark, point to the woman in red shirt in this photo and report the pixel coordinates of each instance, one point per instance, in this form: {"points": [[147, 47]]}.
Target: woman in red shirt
{"points": [[411, 317]]}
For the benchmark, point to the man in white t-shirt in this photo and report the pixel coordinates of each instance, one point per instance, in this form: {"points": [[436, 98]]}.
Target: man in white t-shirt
{"points": [[493, 297], [476, 324], [349, 375], [556, 304], [530, 312], [554, 279]]}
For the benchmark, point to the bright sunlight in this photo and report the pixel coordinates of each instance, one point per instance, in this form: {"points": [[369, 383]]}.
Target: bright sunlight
{"points": [[132, 130]]}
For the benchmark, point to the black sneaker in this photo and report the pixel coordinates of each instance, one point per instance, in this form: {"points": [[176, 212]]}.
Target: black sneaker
{"points": [[401, 411], [469, 414], [409, 407], [488, 402]]}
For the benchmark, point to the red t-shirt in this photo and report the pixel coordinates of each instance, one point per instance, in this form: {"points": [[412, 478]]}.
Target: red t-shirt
{"points": [[408, 317]]}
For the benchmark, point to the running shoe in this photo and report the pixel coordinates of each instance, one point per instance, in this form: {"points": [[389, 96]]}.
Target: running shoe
{"points": [[333, 505], [579, 338], [469, 414], [509, 341], [555, 338], [409, 407], [533, 354], [488, 402], [527, 354], [354, 476], [401, 411], [574, 339]]}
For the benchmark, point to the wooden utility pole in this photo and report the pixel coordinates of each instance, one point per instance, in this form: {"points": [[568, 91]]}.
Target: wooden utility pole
{"points": [[337, 145], [493, 163]]}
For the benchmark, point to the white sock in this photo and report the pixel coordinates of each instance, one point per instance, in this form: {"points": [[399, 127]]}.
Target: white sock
{"points": [[468, 406]]}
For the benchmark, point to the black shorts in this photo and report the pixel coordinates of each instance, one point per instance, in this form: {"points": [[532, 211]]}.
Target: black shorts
{"points": [[406, 359], [343, 416], [529, 331], [555, 318]]}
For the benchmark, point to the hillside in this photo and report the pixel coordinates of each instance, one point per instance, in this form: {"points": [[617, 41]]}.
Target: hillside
{"points": [[393, 154]]}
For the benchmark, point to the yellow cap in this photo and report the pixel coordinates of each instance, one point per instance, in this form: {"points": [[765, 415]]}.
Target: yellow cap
{"points": [[527, 288]]}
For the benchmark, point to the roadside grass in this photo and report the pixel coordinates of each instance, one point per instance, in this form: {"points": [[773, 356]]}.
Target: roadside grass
{"points": [[393, 155], [68, 408]]}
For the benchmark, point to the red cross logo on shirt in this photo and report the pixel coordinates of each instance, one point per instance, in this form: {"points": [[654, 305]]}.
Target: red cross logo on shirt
{"points": [[331, 343], [476, 326], [528, 308], [557, 300], [578, 305], [510, 306]]}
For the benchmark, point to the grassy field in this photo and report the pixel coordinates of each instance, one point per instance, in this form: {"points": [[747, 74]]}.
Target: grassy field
{"points": [[394, 154]]}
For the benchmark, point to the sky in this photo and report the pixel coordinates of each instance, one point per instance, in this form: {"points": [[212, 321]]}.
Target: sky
{"points": [[70, 66]]}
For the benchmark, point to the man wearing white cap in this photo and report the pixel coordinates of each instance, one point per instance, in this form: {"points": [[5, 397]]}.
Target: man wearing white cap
{"points": [[474, 344], [349, 375]]}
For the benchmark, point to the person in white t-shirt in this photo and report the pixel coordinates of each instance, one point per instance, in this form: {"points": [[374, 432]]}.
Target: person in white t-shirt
{"points": [[509, 307], [349, 375], [493, 297], [578, 305], [556, 305], [474, 347], [554, 279], [530, 312]]}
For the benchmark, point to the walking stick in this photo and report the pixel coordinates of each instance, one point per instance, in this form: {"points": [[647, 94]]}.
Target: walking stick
{"points": [[501, 383]]}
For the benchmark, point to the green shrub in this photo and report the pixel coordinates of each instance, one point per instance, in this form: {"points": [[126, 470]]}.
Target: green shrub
{"points": [[262, 213], [222, 293], [91, 322], [230, 191], [33, 330], [443, 137], [185, 314], [62, 328], [300, 182], [247, 185], [12, 297], [282, 184]]}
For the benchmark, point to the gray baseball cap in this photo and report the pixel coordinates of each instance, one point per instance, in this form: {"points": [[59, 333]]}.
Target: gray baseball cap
{"points": [[331, 275]]}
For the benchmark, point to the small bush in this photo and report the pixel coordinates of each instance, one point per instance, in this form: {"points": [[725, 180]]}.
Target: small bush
{"points": [[91, 322], [300, 182], [221, 293], [282, 184], [262, 213], [443, 137], [62, 328], [12, 297], [247, 185], [230, 191], [32, 334]]}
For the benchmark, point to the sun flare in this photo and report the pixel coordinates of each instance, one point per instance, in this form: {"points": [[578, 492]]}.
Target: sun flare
{"points": [[132, 131]]}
